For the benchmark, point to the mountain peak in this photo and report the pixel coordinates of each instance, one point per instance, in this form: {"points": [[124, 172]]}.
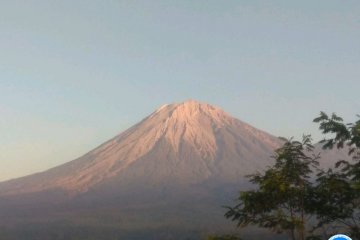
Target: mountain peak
{"points": [[192, 102], [188, 104], [192, 110], [196, 105]]}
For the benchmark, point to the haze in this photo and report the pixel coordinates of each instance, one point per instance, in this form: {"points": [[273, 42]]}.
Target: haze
{"points": [[73, 74]]}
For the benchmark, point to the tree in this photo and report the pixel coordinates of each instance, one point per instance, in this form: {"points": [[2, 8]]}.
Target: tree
{"points": [[338, 192], [283, 200]]}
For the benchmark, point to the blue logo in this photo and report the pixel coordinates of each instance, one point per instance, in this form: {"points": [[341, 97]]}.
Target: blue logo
{"points": [[340, 237]]}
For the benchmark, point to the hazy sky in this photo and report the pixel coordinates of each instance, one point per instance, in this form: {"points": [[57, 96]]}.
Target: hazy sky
{"points": [[75, 73]]}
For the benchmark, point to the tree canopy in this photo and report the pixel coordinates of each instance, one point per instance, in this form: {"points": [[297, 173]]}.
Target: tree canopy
{"points": [[295, 197], [281, 201]]}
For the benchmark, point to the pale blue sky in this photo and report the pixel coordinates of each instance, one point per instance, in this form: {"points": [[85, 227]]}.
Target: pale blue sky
{"points": [[75, 73]]}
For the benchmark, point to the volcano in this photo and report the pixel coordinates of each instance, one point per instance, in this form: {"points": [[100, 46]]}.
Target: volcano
{"points": [[169, 173]]}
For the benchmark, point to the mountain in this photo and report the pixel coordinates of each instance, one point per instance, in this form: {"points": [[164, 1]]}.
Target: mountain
{"points": [[184, 143], [168, 174]]}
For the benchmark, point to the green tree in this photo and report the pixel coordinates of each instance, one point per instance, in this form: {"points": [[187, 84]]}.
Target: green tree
{"points": [[338, 190], [283, 200]]}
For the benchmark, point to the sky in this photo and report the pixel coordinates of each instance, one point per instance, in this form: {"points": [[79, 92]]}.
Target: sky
{"points": [[75, 73]]}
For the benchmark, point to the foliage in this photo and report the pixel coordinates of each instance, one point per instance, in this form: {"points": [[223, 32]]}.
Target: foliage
{"points": [[282, 202], [286, 199], [338, 192]]}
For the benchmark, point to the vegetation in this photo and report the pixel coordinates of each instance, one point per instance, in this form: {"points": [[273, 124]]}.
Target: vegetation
{"points": [[339, 189], [288, 198], [224, 237], [281, 202]]}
